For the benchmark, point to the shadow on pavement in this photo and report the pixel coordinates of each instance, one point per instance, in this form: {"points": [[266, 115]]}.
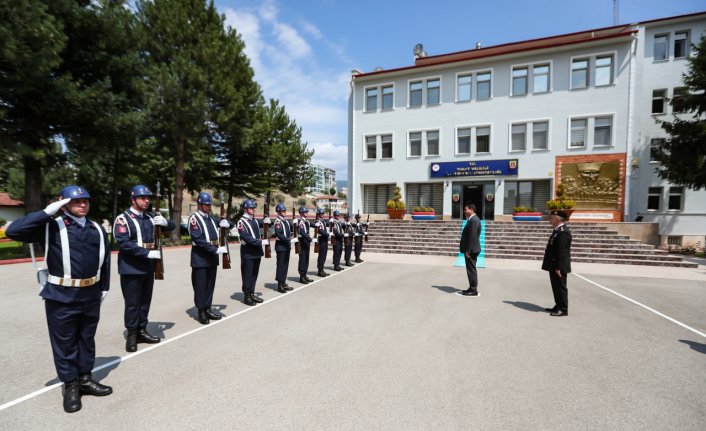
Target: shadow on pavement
{"points": [[157, 328], [98, 375], [526, 306], [448, 289], [272, 286], [699, 347]]}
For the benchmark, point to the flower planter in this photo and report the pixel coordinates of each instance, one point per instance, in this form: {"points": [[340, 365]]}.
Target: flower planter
{"points": [[396, 214], [527, 216], [423, 215]]}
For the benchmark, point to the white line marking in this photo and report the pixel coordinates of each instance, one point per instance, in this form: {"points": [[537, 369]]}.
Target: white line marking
{"points": [[643, 306], [164, 342]]}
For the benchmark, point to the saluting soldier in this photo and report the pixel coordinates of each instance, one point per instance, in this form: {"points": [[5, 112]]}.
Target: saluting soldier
{"points": [[337, 230], [348, 239], [77, 255], [303, 234], [322, 238], [283, 247], [205, 249], [359, 233], [250, 252], [134, 232], [557, 261]]}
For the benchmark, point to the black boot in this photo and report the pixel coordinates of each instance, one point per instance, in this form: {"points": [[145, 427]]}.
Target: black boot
{"points": [[358, 260], [348, 263], [308, 279], [321, 273], [255, 298], [280, 287], [303, 279], [131, 343], [338, 268], [286, 286], [89, 386], [145, 337], [248, 299], [211, 315], [72, 397], [202, 317]]}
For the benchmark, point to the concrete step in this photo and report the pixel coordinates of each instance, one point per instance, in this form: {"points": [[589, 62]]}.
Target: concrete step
{"points": [[625, 261]]}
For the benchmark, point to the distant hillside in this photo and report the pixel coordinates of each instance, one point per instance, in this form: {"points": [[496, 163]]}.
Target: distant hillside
{"points": [[341, 183]]}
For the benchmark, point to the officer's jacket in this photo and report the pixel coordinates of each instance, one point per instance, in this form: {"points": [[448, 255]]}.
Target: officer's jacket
{"points": [[135, 235], [337, 229], [250, 242], [205, 237], [359, 229], [83, 254], [321, 228], [558, 252], [304, 227], [283, 233]]}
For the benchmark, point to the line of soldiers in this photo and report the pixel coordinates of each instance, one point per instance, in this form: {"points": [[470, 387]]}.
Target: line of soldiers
{"points": [[76, 279]]}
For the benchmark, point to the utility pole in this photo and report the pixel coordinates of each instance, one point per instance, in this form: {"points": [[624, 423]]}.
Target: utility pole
{"points": [[616, 12]]}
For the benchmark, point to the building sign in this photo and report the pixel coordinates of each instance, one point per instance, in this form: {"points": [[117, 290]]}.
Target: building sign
{"points": [[475, 168]]}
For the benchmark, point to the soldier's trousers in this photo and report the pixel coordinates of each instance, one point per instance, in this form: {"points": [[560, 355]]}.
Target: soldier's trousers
{"points": [[72, 330], [561, 293], [249, 269], [358, 246], [137, 292], [337, 251], [323, 251], [203, 280], [282, 265], [348, 249], [303, 260]]}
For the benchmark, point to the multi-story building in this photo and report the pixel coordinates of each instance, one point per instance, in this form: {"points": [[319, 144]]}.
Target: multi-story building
{"points": [[324, 180], [508, 125]]}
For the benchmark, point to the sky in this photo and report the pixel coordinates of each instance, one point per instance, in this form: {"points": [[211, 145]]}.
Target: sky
{"points": [[303, 51]]}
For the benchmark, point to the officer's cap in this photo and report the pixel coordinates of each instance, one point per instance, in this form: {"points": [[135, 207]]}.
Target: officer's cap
{"points": [[560, 213], [74, 192]]}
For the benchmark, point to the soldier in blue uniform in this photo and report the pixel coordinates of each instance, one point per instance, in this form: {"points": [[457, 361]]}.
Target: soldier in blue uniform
{"points": [[250, 252], [337, 230], [322, 239], [348, 228], [134, 232], [78, 262], [283, 247], [358, 234], [205, 249], [303, 230]]}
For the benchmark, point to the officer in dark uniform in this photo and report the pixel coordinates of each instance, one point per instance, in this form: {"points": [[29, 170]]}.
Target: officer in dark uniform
{"points": [[322, 238], [359, 233], [303, 230], [205, 249], [134, 232], [557, 260], [250, 252], [337, 230], [78, 260], [348, 239], [283, 247]]}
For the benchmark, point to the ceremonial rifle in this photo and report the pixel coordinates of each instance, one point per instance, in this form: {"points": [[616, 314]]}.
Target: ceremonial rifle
{"points": [[295, 229], [159, 264], [330, 225], [316, 231], [268, 249], [365, 228], [224, 236]]}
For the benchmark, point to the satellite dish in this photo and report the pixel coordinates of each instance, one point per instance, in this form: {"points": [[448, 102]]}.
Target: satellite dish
{"points": [[419, 50]]}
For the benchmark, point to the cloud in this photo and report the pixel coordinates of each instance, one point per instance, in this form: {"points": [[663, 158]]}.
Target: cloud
{"points": [[331, 156], [292, 41]]}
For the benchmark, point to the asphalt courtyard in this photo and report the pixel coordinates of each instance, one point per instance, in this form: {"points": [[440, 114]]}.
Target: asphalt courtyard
{"points": [[386, 345]]}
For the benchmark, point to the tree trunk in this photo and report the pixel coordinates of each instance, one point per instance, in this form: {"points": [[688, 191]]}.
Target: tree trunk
{"points": [[33, 184], [178, 187]]}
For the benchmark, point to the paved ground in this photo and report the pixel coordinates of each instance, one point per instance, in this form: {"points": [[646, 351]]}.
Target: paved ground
{"points": [[384, 345]]}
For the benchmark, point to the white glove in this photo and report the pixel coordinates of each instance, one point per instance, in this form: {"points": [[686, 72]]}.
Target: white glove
{"points": [[103, 295], [224, 223], [154, 254], [222, 250], [158, 220], [294, 241], [265, 242], [266, 220], [54, 207]]}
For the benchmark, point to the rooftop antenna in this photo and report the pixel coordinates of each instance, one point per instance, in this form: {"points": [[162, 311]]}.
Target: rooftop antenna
{"points": [[616, 12], [419, 51]]}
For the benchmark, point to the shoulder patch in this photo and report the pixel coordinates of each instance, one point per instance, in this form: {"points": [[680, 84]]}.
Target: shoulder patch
{"points": [[120, 220]]}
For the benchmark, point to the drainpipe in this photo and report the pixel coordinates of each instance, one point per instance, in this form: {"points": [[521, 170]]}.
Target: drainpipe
{"points": [[631, 120]]}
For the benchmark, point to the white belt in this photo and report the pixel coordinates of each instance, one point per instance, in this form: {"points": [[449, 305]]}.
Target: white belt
{"points": [[74, 282]]}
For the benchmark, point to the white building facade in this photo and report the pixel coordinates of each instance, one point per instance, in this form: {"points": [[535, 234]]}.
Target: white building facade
{"points": [[505, 126], [324, 180]]}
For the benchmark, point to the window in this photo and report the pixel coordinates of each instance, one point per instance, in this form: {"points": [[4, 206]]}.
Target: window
{"points": [[375, 197], [675, 240], [371, 100], [415, 94], [602, 127], [678, 100], [463, 141], [540, 132], [387, 97], [660, 47], [681, 44], [533, 194], [519, 137], [371, 147], [386, 145], [676, 195], [483, 139], [483, 81], [658, 97], [655, 145], [578, 133], [604, 70], [433, 143], [463, 88], [415, 144], [425, 195], [654, 196], [579, 73], [541, 78], [519, 81], [433, 95]]}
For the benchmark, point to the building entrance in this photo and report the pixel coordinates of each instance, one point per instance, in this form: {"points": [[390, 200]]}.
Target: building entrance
{"points": [[481, 194]]}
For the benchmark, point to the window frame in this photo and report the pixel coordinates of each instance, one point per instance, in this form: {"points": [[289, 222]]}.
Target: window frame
{"points": [[513, 68], [365, 98], [424, 144], [409, 93], [612, 130], [424, 81], [681, 198], [470, 140], [426, 90], [666, 47], [392, 145], [474, 134], [473, 139], [675, 97], [517, 123], [489, 71], [664, 101], [586, 138], [654, 141], [549, 74], [659, 198], [457, 76], [365, 147], [383, 86], [549, 134], [687, 45], [587, 58], [438, 143], [613, 55]]}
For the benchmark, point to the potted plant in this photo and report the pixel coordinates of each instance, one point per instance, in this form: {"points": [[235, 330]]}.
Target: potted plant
{"points": [[523, 213], [423, 213], [396, 206], [560, 203]]}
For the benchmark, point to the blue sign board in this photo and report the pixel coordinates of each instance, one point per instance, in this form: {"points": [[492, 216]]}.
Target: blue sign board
{"points": [[474, 168]]}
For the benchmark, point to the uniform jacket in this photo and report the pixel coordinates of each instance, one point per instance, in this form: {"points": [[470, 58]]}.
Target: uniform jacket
{"points": [[250, 242], [338, 229], [304, 227], [558, 252], [205, 234], [470, 236], [283, 233], [321, 230], [84, 246], [132, 258]]}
